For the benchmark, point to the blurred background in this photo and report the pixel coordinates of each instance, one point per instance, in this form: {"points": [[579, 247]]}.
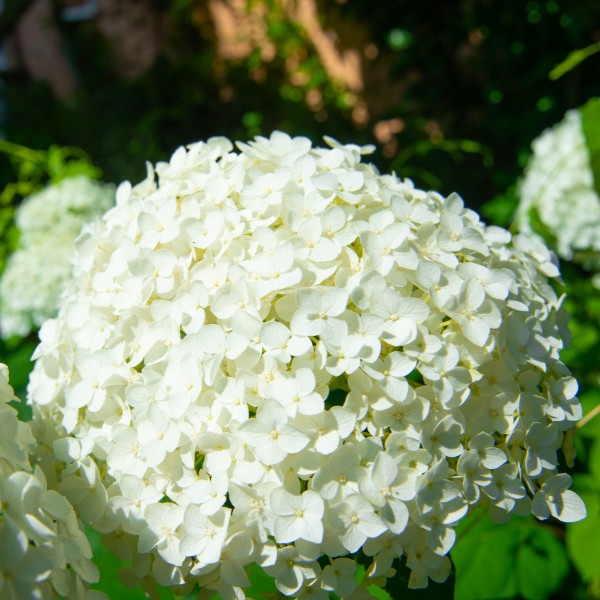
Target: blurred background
{"points": [[451, 93]]}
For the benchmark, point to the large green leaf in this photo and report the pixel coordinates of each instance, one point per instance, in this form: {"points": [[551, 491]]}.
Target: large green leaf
{"points": [[109, 566], [263, 586], [590, 122], [583, 537], [520, 558]]}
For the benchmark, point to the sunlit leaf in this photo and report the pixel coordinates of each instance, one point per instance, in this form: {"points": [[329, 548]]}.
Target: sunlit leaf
{"points": [[520, 558], [109, 565], [572, 60], [590, 124], [262, 587]]}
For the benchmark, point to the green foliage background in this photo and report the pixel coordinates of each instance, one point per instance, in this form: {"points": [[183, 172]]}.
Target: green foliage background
{"points": [[478, 81]]}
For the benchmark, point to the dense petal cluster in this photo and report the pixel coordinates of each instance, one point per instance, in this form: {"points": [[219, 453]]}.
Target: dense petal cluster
{"points": [[40, 269], [558, 186], [278, 354], [43, 551]]}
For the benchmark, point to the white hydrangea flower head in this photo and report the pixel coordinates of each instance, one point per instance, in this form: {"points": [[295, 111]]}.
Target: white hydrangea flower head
{"points": [[40, 269], [277, 354], [558, 185], [43, 551]]}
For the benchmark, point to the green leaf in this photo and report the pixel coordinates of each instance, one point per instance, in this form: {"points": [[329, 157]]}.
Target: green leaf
{"points": [[541, 563], [22, 153], [336, 397], [589, 401], [18, 360], [590, 123], [501, 209], [380, 593], [541, 228], [109, 566], [455, 148], [519, 558], [65, 162], [262, 587], [483, 561], [594, 460], [583, 537], [74, 168], [55, 161], [572, 60], [397, 587]]}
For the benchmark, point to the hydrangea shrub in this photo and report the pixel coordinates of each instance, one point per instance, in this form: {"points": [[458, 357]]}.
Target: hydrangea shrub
{"points": [[39, 270], [44, 553], [558, 194], [279, 357], [565, 210]]}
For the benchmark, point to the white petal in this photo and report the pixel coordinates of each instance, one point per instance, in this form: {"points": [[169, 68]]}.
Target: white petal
{"points": [[569, 508]]}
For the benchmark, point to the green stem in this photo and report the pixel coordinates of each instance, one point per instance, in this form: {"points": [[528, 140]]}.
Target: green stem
{"points": [[583, 421]]}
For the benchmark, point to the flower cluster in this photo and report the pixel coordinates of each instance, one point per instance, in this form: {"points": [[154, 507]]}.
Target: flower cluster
{"points": [[40, 269], [558, 186], [43, 551], [277, 355]]}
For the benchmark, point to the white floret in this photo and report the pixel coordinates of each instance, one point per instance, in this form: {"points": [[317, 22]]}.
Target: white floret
{"points": [[44, 552], [40, 269], [559, 185]]}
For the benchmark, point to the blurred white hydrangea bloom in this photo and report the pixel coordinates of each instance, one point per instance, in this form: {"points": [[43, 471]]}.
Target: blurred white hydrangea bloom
{"points": [[278, 354], [558, 185], [43, 551], [39, 270]]}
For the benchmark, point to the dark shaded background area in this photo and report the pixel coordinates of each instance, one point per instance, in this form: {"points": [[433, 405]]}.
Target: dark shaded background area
{"points": [[432, 71]]}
